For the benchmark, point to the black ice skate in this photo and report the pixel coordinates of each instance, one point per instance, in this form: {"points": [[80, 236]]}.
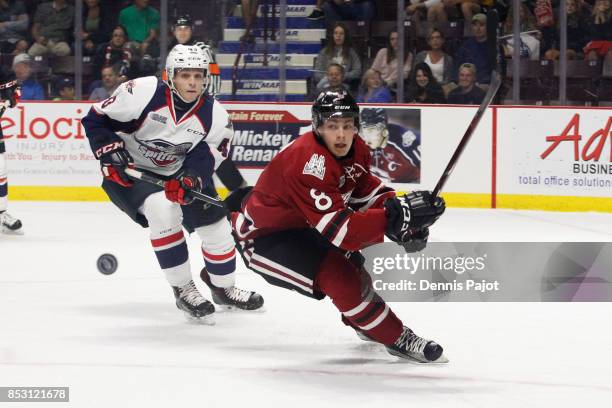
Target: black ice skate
{"points": [[233, 296], [414, 347], [190, 301], [9, 224]]}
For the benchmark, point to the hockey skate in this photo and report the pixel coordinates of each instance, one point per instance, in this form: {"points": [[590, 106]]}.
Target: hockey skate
{"points": [[413, 347], [232, 297], [10, 225], [192, 303]]}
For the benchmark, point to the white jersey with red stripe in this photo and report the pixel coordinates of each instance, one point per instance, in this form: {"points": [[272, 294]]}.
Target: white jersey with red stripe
{"points": [[143, 115], [305, 186]]}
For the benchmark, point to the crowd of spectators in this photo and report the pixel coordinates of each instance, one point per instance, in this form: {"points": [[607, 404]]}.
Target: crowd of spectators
{"points": [[37, 39], [121, 39], [438, 72]]}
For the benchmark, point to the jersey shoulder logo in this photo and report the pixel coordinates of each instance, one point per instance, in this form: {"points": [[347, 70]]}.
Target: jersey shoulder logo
{"points": [[161, 152], [315, 166], [354, 171]]}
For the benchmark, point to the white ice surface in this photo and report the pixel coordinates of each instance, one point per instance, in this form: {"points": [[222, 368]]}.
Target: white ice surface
{"points": [[119, 341]]}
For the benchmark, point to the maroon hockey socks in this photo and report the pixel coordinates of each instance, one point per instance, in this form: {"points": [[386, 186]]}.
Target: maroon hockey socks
{"points": [[352, 293]]}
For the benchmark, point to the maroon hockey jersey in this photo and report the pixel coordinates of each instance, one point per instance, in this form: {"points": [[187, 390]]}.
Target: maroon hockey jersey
{"points": [[305, 186]]}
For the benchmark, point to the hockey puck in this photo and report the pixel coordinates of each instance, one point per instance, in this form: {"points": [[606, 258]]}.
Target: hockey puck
{"points": [[107, 264]]}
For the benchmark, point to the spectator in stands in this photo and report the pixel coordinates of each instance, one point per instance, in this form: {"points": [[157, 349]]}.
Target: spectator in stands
{"points": [[338, 49], [352, 10], [386, 61], [96, 26], [423, 86], [249, 14], [65, 89], [530, 43], [31, 90], [420, 9], [141, 22], [373, 89], [334, 78], [14, 22], [600, 44], [577, 32], [456, 9], [439, 62], [467, 93], [116, 51], [52, 29], [475, 51], [317, 13], [110, 82]]}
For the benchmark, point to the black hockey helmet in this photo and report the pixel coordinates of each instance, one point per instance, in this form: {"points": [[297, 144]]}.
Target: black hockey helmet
{"points": [[184, 20], [374, 116], [337, 103]]}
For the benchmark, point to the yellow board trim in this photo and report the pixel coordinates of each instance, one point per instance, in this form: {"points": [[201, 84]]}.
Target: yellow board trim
{"points": [[554, 203], [510, 201]]}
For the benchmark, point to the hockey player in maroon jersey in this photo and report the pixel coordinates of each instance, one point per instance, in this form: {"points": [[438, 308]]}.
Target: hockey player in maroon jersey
{"points": [[315, 206]]}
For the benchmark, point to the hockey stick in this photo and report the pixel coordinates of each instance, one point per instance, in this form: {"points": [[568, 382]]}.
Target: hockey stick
{"points": [[496, 81], [139, 175]]}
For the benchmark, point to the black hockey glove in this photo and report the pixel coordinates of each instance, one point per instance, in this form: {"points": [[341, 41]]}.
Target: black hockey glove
{"points": [[409, 216], [114, 159], [177, 189], [233, 201], [9, 91]]}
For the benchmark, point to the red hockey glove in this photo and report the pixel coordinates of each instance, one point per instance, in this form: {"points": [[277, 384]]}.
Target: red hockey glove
{"points": [[114, 159], [177, 189], [409, 216]]}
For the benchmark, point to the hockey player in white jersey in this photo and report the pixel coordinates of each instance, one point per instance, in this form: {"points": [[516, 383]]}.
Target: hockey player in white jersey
{"points": [[175, 130], [9, 95]]}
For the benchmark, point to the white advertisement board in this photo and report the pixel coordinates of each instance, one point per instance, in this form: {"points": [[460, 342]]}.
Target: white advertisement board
{"points": [[46, 145], [539, 153], [555, 152]]}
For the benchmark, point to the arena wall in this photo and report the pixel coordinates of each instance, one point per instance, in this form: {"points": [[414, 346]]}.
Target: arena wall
{"points": [[551, 158]]}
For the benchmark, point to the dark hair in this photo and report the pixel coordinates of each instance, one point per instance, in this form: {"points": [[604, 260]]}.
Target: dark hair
{"points": [[390, 51], [426, 70], [432, 89], [346, 46]]}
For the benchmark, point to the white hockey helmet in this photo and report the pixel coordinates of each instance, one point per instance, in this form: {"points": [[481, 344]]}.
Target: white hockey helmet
{"points": [[185, 57]]}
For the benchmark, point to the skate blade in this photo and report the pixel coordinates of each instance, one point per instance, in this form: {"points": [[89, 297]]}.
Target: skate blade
{"points": [[235, 309], [8, 231], [208, 320], [404, 358]]}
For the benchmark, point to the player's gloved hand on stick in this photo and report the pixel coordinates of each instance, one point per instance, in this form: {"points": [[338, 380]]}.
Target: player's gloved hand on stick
{"points": [[114, 159], [233, 201], [177, 189], [409, 216], [417, 241]]}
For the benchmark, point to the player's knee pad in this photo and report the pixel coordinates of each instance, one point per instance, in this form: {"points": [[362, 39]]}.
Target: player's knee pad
{"points": [[218, 249], [3, 182], [161, 213], [216, 237], [3, 171]]}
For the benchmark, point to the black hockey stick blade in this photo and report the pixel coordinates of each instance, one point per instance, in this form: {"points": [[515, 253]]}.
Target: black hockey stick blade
{"points": [[139, 175]]}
